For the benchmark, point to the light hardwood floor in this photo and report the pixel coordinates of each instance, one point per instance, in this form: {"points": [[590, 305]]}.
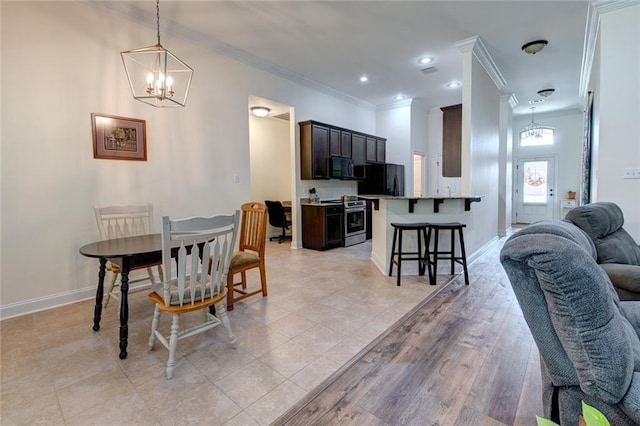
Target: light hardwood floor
{"points": [[463, 357]]}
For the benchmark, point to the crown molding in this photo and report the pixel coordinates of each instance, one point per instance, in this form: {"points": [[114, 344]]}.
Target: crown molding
{"points": [[510, 98], [228, 51], [595, 8], [476, 46]]}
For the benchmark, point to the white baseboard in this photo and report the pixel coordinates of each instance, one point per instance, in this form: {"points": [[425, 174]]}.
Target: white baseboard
{"points": [[54, 301], [47, 302]]}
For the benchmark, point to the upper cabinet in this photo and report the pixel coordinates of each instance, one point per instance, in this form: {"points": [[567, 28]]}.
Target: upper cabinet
{"points": [[358, 149], [319, 142], [314, 150], [376, 148], [452, 141]]}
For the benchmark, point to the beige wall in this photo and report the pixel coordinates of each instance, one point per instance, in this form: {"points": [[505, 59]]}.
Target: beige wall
{"points": [[617, 102], [61, 62]]}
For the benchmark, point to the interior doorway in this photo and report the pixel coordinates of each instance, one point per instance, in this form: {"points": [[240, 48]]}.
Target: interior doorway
{"points": [[418, 174], [271, 155], [535, 186]]}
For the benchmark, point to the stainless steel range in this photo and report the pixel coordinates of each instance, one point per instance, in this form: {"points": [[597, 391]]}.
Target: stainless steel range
{"points": [[355, 222]]}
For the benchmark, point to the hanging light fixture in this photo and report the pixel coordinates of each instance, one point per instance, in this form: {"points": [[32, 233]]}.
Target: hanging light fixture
{"points": [[533, 129], [156, 76]]}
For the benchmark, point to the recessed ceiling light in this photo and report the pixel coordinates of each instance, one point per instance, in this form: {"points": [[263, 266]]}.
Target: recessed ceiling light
{"points": [[364, 78], [453, 85], [260, 111], [399, 97], [425, 60]]}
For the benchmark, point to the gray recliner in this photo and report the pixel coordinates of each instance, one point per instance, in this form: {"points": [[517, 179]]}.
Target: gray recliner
{"points": [[587, 338], [617, 253]]}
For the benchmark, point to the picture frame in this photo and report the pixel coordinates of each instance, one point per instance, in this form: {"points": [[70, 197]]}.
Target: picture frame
{"points": [[119, 138]]}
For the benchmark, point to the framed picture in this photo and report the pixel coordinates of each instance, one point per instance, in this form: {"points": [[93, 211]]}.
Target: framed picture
{"points": [[119, 138]]}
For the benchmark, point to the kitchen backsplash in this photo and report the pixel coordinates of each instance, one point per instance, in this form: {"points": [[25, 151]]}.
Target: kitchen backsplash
{"points": [[329, 189]]}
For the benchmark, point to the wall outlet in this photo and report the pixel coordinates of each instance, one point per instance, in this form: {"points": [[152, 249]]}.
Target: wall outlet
{"points": [[631, 173]]}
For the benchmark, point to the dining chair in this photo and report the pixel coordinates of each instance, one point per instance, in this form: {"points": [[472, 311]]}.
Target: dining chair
{"points": [[125, 221], [199, 282], [250, 254]]}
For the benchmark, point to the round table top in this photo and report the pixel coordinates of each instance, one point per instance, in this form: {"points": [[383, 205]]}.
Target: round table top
{"points": [[128, 246]]}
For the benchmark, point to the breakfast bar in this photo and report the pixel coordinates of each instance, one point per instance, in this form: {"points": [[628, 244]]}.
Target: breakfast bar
{"points": [[399, 209]]}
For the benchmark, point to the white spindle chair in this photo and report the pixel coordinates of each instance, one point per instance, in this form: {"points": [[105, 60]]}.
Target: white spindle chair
{"points": [[201, 264], [124, 221]]}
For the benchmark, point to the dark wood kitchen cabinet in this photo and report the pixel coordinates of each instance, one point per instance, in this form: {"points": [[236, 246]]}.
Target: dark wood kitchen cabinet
{"points": [[340, 143], [375, 150], [314, 150], [319, 142], [358, 148], [452, 141], [322, 226]]}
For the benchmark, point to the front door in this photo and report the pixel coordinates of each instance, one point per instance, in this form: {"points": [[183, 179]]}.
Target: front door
{"points": [[535, 189]]}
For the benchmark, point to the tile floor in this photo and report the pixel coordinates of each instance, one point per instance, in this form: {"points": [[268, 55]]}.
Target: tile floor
{"points": [[322, 309]]}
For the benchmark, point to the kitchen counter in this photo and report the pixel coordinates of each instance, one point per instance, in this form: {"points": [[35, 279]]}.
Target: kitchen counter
{"points": [[412, 201], [390, 209]]}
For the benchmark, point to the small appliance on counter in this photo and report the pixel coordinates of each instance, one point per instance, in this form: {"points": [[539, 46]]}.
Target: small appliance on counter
{"points": [[313, 197], [382, 179]]}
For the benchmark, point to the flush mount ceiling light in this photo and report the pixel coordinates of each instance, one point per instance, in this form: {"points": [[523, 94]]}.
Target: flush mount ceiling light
{"points": [[545, 93], [425, 60], [260, 111], [364, 78], [156, 76], [534, 47]]}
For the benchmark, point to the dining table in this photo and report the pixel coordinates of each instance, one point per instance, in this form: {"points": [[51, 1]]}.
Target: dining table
{"points": [[129, 253]]}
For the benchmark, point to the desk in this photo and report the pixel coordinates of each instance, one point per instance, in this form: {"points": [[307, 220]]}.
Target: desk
{"points": [[135, 252]]}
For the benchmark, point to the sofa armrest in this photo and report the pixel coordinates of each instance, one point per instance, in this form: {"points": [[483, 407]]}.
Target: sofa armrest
{"points": [[625, 279]]}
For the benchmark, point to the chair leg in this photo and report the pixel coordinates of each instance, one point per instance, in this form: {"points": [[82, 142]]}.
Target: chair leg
{"points": [[393, 248], [112, 285], [263, 279], [160, 273], [464, 257], [222, 316], [173, 343], [154, 326], [230, 291], [243, 276]]}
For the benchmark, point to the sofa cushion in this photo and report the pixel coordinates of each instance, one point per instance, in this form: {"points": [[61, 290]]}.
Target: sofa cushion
{"points": [[603, 222]]}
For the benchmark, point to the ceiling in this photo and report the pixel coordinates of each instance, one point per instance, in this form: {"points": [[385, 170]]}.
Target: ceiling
{"points": [[328, 45]]}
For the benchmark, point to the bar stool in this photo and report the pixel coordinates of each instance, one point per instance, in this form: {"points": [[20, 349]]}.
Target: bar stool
{"points": [[437, 254], [421, 234]]}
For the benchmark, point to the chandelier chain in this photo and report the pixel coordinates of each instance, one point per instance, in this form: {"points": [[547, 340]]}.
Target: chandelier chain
{"points": [[158, 19]]}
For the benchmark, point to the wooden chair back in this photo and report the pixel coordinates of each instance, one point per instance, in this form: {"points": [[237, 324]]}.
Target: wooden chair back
{"points": [[253, 228], [124, 221]]}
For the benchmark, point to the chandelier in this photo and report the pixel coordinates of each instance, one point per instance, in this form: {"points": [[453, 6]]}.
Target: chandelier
{"points": [[533, 129], [156, 76]]}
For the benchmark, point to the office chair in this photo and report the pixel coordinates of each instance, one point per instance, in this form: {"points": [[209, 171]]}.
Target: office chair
{"points": [[278, 219]]}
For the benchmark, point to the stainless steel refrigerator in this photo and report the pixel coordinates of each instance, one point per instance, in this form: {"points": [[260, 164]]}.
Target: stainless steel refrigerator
{"points": [[382, 179]]}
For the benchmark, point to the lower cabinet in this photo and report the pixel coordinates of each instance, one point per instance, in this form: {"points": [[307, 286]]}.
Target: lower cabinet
{"points": [[322, 226]]}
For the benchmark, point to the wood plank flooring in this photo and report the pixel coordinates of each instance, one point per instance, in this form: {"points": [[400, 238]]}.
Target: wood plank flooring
{"points": [[463, 357]]}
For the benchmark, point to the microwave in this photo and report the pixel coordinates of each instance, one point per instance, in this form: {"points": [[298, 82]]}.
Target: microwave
{"points": [[343, 168]]}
